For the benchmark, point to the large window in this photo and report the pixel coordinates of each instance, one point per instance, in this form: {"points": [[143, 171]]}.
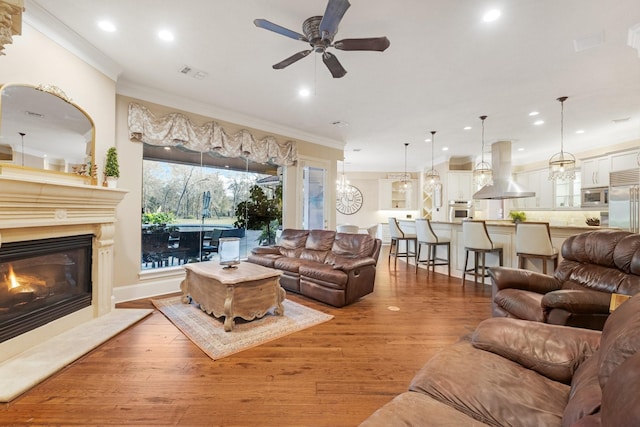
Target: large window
{"points": [[190, 200]]}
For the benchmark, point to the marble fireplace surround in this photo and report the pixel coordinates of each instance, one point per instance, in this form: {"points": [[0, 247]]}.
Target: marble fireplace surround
{"points": [[37, 209]]}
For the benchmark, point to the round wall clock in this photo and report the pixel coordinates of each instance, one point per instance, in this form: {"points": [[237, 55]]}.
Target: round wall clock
{"points": [[350, 202]]}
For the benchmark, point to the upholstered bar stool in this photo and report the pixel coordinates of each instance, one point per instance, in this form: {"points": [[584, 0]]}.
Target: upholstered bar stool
{"points": [[533, 240], [398, 237], [426, 236], [476, 239]]}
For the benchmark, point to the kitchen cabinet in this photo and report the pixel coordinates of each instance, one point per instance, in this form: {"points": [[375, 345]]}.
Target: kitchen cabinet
{"points": [[595, 172], [460, 185], [393, 195], [625, 161], [538, 182]]}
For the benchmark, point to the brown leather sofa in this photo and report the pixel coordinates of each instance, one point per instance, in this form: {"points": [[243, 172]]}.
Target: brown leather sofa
{"points": [[513, 372], [335, 268], [595, 265]]}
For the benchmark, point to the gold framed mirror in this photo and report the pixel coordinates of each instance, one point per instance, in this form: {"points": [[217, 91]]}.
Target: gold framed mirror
{"points": [[43, 131]]}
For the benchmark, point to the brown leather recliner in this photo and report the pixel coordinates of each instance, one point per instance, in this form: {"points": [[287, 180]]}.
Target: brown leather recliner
{"points": [[595, 265], [335, 268]]}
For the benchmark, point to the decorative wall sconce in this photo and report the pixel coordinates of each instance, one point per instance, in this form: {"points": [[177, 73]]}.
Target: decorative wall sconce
{"points": [[10, 21]]}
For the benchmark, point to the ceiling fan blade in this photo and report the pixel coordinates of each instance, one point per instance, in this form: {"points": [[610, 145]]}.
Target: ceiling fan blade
{"points": [[267, 25], [373, 43], [290, 60], [332, 17], [333, 65]]}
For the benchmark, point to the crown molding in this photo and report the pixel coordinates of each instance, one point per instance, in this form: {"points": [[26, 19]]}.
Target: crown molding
{"points": [[144, 93], [40, 19]]}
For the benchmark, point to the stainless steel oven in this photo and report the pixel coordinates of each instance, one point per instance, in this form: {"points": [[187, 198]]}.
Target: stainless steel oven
{"points": [[594, 197], [460, 209]]}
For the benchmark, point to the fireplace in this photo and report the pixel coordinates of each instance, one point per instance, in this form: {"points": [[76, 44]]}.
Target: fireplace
{"points": [[43, 280]]}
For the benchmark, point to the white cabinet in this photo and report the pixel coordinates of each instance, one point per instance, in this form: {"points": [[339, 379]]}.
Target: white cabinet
{"points": [[624, 161], [460, 185], [538, 182], [595, 172], [392, 194]]}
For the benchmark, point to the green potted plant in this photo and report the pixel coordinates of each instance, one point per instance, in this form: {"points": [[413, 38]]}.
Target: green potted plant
{"points": [[518, 216], [111, 168]]}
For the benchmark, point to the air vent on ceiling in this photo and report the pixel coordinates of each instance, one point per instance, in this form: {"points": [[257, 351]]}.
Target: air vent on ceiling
{"points": [[33, 114], [195, 73]]}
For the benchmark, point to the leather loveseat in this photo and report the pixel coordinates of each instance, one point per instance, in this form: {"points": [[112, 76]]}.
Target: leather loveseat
{"points": [[595, 265], [512, 372], [335, 268]]}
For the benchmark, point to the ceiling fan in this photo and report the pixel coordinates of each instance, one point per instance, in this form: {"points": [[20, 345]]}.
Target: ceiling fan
{"points": [[319, 32]]}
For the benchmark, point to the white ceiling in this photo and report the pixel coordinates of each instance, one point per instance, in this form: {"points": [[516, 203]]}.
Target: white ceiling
{"points": [[445, 68]]}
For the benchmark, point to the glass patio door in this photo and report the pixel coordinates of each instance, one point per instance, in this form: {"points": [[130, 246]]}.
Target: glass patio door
{"points": [[314, 177]]}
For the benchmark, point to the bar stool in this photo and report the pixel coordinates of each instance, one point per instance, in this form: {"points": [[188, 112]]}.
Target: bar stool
{"points": [[426, 236], [397, 237], [533, 240], [476, 239]]}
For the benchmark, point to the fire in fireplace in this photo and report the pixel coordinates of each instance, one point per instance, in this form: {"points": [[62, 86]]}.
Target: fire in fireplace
{"points": [[43, 280]]}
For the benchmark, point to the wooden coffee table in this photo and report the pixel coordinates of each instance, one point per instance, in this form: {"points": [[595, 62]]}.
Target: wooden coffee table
{"points": [[247, 291]]}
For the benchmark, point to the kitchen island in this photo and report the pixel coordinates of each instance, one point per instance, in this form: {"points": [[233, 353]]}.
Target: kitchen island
{"points": [[500, 231]]}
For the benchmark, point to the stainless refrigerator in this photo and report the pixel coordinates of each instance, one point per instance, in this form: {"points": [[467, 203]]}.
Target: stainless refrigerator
{"points": [[624, 200]]}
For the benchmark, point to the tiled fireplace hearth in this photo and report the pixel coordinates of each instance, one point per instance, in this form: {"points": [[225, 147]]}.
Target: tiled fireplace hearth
{"points": [[33, 210]]}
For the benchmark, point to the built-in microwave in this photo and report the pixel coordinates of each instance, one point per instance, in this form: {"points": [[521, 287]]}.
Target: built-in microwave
{"points": [[594, 197], [460, 210]]}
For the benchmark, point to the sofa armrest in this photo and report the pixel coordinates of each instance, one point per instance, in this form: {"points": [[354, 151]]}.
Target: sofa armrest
{"points": [[506, 277], [577, 301], [348, 264], [551, 350], [264, 250]]}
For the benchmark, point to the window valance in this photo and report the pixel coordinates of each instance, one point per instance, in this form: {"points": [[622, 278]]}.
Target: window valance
{"points": [[176, 129]]}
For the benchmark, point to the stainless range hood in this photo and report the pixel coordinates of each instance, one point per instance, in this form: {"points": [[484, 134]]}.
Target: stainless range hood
{"points": [[503, 187]]}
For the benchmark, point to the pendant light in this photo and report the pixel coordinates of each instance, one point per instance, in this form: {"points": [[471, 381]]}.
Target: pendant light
{"points": [[562, 166], [432, 177], [482, 174], [406, 180], [343, 188]]}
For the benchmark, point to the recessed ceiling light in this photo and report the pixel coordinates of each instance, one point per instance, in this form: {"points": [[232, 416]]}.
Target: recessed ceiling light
{"points": [[520, 149], [579, 131], [166, 35], [538, 122], [107, 26], [491, 16], [467, 128], [445, 148], [427, 140], [534, 113], [304, 92]]}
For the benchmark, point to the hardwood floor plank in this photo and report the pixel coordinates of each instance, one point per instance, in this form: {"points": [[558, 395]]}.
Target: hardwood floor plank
{"points": [[333, 374]]}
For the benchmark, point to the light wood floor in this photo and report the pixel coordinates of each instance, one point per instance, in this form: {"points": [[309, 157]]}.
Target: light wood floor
{"points": [[333, 374]]}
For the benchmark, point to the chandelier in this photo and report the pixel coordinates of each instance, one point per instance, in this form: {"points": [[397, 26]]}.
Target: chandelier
{"points": [[343, 188], [482, 174], [562, 165], [432, 177]]}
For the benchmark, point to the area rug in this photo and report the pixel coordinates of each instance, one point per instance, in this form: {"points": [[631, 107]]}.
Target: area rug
{"points": [[207, 332]]}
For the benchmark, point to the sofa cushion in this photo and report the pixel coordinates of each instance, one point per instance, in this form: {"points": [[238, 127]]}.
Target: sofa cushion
{"points": [[292, 242], [292, 264], [520, 303], [326, 274], [490, 388], [620, 338], [318, 244], [551, 350], [351, 245], [266, 260], [586, 394], [620, 396], [417, 409]]}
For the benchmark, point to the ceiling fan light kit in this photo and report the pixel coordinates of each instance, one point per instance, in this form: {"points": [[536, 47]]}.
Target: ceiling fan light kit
{"points": [[319, 32]]}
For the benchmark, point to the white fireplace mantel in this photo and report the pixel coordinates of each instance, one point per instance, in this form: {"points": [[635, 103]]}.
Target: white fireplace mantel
{"points": [[35, 209]]}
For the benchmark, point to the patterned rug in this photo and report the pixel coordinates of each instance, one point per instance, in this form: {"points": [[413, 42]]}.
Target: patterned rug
{"points": [[207, 332]]}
